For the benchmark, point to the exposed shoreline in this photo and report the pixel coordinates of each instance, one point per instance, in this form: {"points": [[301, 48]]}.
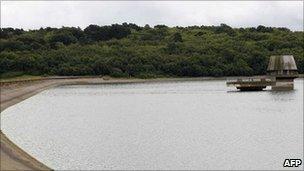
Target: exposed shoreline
{"points": [[13, 92]]}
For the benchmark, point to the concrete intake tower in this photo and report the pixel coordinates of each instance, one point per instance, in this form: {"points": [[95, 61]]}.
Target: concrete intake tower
{"points": [[284, 69]]}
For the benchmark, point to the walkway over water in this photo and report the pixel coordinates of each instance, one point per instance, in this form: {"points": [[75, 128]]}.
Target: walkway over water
{"points": [[251, 83]]}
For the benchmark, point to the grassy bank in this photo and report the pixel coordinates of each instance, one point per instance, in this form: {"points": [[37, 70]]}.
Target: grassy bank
{"points": [[20, 78], [27, 78]]}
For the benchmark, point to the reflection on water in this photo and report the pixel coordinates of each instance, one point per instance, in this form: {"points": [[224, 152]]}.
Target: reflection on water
{"points": [[284, 95], [173, 125]]}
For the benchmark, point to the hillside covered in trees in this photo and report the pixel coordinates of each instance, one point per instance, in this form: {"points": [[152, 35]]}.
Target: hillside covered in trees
{"points": [[128, 50]]}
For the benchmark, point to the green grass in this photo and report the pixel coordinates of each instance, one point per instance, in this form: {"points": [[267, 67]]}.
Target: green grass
{"points": [[17, 76]]}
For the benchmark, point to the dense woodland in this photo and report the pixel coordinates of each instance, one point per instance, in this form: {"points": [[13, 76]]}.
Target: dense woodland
{"points": [[128, 50]]}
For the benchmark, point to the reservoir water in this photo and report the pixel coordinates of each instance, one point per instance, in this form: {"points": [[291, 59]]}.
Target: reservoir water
{"points": [[162, 125]]}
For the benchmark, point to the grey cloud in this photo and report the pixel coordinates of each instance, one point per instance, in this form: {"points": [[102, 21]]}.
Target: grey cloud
{"points": [[30, 15]]}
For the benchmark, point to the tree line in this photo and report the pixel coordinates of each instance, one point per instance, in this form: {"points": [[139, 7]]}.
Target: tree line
{"points": [[129, 50]]}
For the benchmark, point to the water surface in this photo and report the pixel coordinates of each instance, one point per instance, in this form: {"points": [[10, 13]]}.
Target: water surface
{"points": [[172, 125]]}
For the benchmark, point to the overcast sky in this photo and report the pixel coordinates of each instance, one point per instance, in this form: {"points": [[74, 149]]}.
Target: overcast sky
{"points": [[33, 15]]}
